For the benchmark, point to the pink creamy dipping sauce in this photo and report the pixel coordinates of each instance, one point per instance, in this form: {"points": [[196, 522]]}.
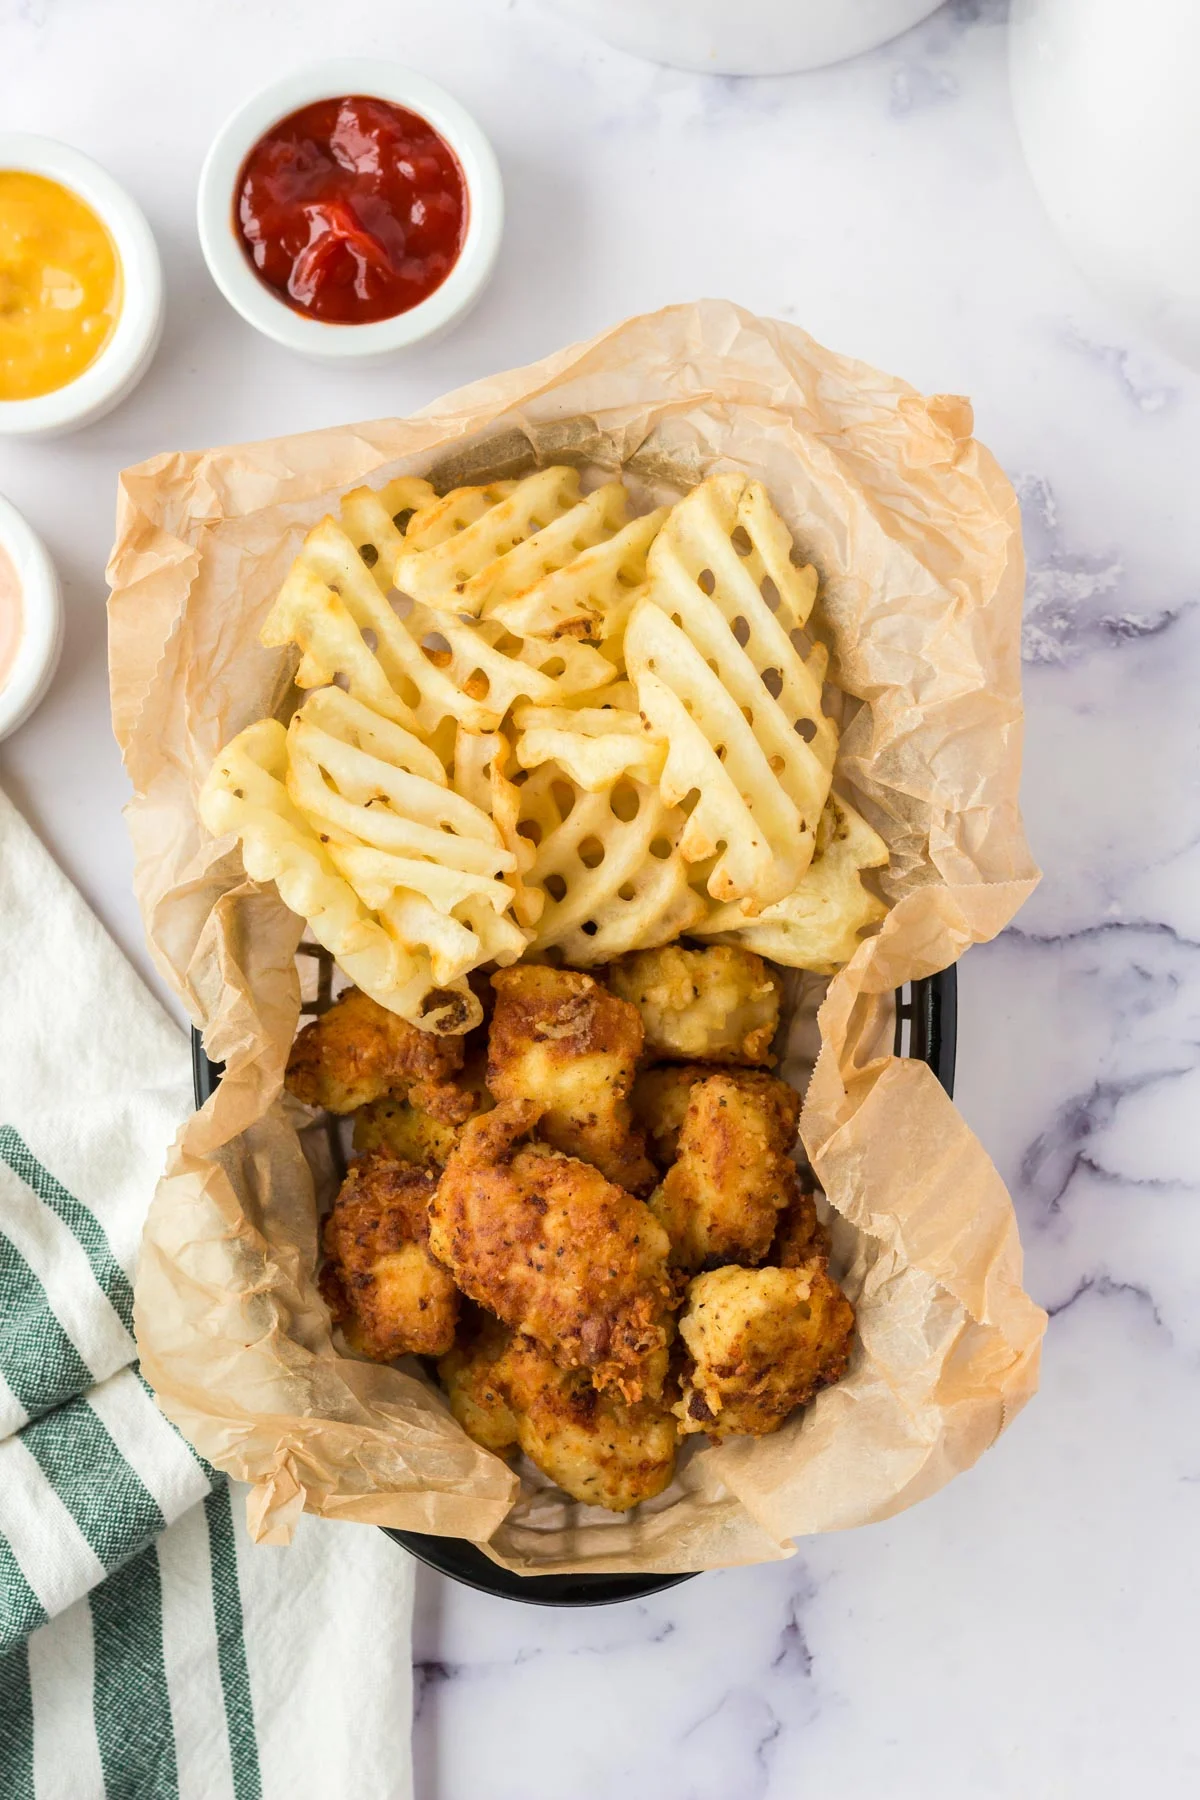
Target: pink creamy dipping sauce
{"points": [[31, 618], [12, 616]]}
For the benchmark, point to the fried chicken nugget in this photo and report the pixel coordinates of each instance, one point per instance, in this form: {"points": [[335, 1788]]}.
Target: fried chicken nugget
{"points": [[660, 1102], [560, 1036], [556, 1251], [716, 1005], [383, 1287], [732, 1177], [762, 1342], [468, 1372], [416, 1136], [801, 1237], [357, 1051], [505, 1391], [410, 1134]]}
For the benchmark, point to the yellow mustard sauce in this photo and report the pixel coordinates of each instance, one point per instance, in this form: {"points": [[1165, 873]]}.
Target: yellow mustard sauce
{"points": [[60, 285]]}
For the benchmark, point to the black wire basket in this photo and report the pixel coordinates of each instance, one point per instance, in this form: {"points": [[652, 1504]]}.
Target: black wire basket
{"points": [[926, 1028]]}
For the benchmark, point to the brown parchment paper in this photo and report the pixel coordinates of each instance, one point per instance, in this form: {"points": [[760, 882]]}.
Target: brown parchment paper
{"points": [[916, 536]]}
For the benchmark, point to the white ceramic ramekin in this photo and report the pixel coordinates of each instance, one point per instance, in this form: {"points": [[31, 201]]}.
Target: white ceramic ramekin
{"points": [[128, 352], [41, 619], [754, 37], [258, 304], [1104, 97]]}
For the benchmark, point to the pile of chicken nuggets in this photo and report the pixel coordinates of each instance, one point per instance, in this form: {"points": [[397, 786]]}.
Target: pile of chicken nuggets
{"points": [[586, 1209]]}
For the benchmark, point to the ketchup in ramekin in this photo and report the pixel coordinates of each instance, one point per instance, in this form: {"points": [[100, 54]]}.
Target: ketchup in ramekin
{"points": [[351, 210]]}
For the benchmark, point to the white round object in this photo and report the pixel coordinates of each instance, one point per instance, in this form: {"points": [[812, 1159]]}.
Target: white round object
{"points": [[129, 351], [258, 304], [1104, 95], [41, 619], [747, 37]]}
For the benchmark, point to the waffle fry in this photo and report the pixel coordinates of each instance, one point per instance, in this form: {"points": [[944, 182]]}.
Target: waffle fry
{"points": [[590, 597], [820, 925], [576, 669], [419, 902], [436, 520], [423, 857], [374, 519], [541, 524], [362, 779], [620, 695], [608, 865], [715, 648], [594, 745], [418, 670], [558, 546], [480, 775], [245, 795]]}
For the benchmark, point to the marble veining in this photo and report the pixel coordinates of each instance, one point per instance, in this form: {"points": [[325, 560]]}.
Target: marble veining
{"points": [[1141, 377], [1028, 1633]]}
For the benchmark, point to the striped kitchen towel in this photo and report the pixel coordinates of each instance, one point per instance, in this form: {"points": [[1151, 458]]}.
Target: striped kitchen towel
{"points": [[147, 1648]]}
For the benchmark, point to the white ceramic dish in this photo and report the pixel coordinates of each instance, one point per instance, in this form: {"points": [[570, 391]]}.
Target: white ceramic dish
{"points": [[41, 619], [1104, 95], [754, 37], [257, 304], [128, 352]]}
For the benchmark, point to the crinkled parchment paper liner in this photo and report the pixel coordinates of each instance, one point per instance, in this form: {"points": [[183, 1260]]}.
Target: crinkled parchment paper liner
{"points": [[915, 532]]}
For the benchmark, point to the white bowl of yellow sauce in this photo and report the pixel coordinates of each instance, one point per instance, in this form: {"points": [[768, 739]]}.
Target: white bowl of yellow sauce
{"points": [[81, 294]]}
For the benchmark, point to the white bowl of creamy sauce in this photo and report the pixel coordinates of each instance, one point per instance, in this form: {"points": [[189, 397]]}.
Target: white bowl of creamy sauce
{"points": [[31, 619], [81, 303]]}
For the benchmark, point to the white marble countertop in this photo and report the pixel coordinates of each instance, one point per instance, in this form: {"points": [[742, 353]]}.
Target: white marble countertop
{"points": [[1028, 1633]]}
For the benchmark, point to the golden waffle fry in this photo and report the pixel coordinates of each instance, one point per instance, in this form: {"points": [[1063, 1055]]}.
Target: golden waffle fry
{"points": [[443, 912], [608, 865], [590, 597], [594, 745], [245, 795], [620, 695], [575, 669], [440, 519], [420, 669], [366, 780], [480, 775], [717, 651], [742, 823], [424, 858], [374, 520], [500, 940], [557, 546], [540, 524], [820, 925]]}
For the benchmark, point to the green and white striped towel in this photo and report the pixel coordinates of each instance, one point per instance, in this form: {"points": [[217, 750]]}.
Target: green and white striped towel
{"points": [[147, 1649]]}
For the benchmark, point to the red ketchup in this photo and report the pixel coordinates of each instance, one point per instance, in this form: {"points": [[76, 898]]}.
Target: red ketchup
{"points": [[352, 210]]}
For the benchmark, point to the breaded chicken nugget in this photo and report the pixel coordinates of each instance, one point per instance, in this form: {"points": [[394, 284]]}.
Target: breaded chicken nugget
{"points": [[410, 1134], [660, 1102], [556, 1251], [761, 1342], [468, 1372], [357, 1051], [560, 1037], [416, 1136], [733, 1175], [387, 1292], [801, 1237], [505, 1390], [716, 1005]]}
